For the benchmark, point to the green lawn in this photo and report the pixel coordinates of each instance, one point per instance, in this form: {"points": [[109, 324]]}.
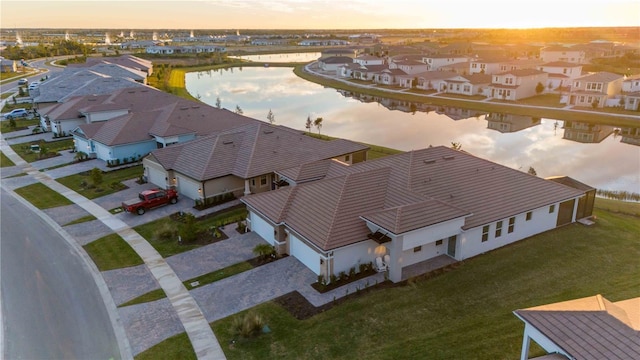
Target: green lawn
{"points": [[20, 125], [170, 246], [111, 181], [81, 220], [154, 295], [112, 252], [5, 161], [29, 156], [42, 197], [616, 206], [462, 314], [175, 347]]}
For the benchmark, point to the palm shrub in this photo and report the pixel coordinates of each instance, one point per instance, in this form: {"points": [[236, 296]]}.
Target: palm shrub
{"points": [[264, 251]]}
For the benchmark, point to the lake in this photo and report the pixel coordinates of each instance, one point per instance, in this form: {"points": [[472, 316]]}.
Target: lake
{"points": [[596, 155]]}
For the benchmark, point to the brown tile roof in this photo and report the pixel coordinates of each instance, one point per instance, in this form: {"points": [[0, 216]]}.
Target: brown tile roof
{"points": [[313, 170], [455, 182], [247, 151], [523, 72], [589, 328], [565, 180], [126, 129]]}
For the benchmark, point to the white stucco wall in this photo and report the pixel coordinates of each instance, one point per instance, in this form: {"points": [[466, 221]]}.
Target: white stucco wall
{"points": [[155, 173], [350, 256], [471, 243], [432, 233], [427, 251]]}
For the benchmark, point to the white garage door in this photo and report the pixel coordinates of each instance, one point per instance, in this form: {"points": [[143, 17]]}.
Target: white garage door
{"points": [[305, 255], [188, 187], [157, 177], [262, 228]]}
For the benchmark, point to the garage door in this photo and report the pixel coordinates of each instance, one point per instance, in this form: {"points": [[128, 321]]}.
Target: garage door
{"points": [[262, 228], [156, 177], [305, 255]]}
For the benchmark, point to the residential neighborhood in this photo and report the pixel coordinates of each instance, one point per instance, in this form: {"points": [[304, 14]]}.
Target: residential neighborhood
{"points": [[284, 213]]}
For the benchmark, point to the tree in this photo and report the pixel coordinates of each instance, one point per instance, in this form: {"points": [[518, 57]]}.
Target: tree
{"points": [[218, 102], [188, 231], [318, 124], [594, 104], [96, 176], [456, 145], [308, 124], [271, 117], [532, 171], [539, 88], [238, 110]]}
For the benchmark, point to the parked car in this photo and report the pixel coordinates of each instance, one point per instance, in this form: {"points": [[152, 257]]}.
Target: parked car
{"points": [[23, 82], [34, 85], [16, 113], [150, 199]]}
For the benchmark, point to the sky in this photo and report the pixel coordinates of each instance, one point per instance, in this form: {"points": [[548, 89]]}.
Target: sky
{"points": [[317, 14]]}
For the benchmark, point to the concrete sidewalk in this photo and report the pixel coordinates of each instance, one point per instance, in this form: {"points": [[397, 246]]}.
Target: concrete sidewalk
{"points": [[203, 339]]}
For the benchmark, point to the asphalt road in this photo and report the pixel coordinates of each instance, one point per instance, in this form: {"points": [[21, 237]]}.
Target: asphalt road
{"points": [[51, 306]]}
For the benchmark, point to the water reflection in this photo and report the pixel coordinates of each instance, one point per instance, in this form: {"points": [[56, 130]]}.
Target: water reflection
{"points": [[516, 141], [281, 58]]}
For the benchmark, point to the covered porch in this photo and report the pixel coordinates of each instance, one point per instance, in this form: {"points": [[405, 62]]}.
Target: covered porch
{"points": [[426, 266]]}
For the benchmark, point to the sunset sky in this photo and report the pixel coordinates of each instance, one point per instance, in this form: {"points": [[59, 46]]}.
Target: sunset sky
{"points": [[317, 14]]}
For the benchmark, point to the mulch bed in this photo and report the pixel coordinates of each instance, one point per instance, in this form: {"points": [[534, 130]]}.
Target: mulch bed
{"points": [[324, 288], [259, 260]]}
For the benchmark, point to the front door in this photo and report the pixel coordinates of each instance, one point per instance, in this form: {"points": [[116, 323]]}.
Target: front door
{"points": [[451, 247]]}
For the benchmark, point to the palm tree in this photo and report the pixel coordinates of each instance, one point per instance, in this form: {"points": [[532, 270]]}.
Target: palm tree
{"points": [[308, 124], [239, 110], [271, 117], [318, 124]]}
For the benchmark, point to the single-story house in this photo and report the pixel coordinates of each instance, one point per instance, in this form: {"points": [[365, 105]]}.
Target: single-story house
{"points": [[332, 63], [586, 328], [134, 134], [241, 160], [475, 84], [415, 207]]}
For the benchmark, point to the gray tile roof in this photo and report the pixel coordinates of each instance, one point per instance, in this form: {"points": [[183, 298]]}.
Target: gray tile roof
{"points": [[455, 182], [602, 76], [84, 82], [523, 72], [250, 150], [126, 129], [590, 328]]}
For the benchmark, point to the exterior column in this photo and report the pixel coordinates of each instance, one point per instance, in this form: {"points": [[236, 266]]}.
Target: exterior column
{"points": [[526, 341], [575, 210], [395, 266], [247, 189]]}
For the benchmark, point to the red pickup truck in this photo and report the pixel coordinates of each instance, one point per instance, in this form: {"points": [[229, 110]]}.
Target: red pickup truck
{"points": [[149, 199]]}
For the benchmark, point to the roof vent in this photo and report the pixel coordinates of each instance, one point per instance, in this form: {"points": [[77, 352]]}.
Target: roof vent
{"points": [[184, 108], [429, 161], [195, 107], [227, 142], [268, 131], [449, 157]]}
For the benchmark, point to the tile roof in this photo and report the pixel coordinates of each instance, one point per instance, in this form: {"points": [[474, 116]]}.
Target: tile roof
{"points": [[247, 151], [126, 129], [523, 72], [561, 64], [455, 182], [85, 82], [478, 78], [590, 328], [337, 60], [602, 76]]}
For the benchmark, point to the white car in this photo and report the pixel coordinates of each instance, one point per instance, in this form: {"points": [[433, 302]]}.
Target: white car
{"points": [[34, 85]]}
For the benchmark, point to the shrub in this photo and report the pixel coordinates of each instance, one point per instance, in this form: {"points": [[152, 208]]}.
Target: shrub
{"points": [[248, 326], [188, 231], [352, 272], [264, 250], [343, 276], [333, 278]]}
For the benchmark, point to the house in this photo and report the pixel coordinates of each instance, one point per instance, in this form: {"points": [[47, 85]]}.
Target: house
{"points": [[433, 204], [241, 160], [562, 53], [584, 132], [586, 328], [631, 84], [409, 66], [365, 72], [458, 113], [516, 84], [135, 133], [508, 123], [366, 60], [561, 73], [475, 84], [349, 52], [428, 80], [596, 90], [332, 63], [630, 135], [435, 62], [388, 76], [7, 65], [632, 101]]}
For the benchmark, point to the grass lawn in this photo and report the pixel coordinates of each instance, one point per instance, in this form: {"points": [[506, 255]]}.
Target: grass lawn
{"points": [[112, 252], [616, 206], [20, 125], [42, 197], [111, 181], [154, 295], [81, 220], [169, 247], [462, 314], [175, 347], [5, 161], [52, 147]]}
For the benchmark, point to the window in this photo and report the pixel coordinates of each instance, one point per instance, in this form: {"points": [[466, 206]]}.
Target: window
{"points": [[552, 209], [263, 180], [439, 242], [253, 182], [529, 215], [347, 157], [485, 233], [499, 229], [512, 224], [417, 249]]}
